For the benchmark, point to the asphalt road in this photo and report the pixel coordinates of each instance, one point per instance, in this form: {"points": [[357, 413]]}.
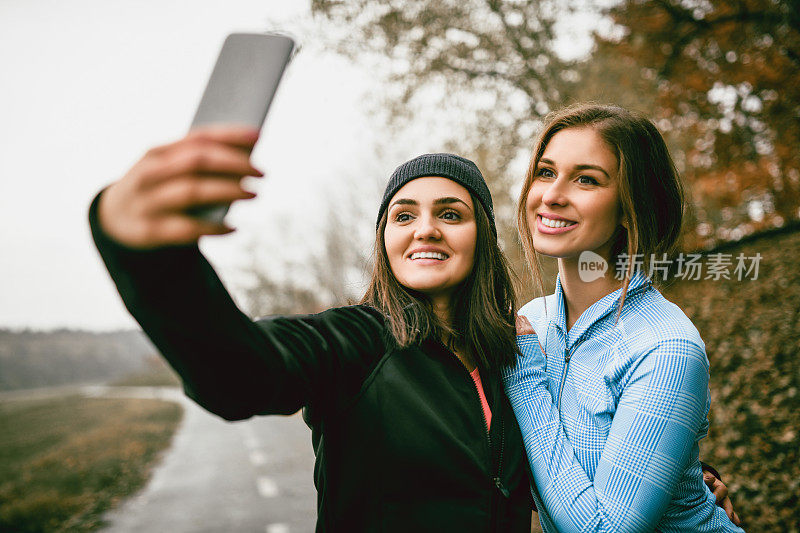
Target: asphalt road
{"points": [[250, 476]]}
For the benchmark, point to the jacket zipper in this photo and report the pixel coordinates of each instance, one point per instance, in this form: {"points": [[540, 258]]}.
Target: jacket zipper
{"points": [[498, 483], [567, 357], [568, 353]]}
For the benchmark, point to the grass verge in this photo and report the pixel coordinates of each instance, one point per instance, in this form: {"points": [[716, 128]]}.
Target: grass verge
{"points": [[65, 461], [153, 377]]}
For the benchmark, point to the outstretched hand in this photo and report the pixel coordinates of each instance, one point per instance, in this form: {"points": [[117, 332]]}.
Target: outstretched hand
{"points": [[148, 207]]}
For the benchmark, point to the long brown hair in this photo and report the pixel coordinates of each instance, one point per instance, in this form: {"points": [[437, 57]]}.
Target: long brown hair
{"points": [[650, 189], [483, 305]]}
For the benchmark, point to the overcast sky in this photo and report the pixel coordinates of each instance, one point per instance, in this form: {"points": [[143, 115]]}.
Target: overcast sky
{"points": [[89, 85]]}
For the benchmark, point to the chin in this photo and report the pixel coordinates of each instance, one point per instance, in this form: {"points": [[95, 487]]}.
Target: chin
{"points": [[422, 286], [427, 290], [552, 253]]}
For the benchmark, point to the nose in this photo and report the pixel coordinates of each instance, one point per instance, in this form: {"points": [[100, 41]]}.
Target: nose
{"points": [[427, 228], [556, 193]]}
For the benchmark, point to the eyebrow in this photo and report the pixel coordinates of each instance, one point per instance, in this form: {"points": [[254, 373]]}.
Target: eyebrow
{"points": [[579, 167], [438, 201]]}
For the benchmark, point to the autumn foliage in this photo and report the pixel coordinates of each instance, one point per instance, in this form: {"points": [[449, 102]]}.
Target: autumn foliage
{"points": [[750, 328], [727, 82]]}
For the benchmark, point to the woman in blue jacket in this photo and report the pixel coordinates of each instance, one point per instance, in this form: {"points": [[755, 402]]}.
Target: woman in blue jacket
{"points": [[611, 390]]}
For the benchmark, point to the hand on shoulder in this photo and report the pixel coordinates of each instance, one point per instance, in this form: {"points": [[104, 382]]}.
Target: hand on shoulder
{"points": [[524, 327]]}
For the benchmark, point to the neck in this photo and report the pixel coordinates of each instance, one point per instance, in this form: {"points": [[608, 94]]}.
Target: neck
{"points": [[444, 312], [579, 295]]}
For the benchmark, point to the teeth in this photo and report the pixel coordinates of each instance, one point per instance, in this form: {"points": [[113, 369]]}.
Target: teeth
{"points": [[555, 223], [428, 255]]}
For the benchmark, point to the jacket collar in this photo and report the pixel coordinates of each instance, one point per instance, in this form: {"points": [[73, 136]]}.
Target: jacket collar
{"points": [[492, 383], [598, 310]]}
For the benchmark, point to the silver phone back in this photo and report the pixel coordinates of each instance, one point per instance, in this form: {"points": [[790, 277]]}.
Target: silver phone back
{"points": [[241, 88], [244, 79]]}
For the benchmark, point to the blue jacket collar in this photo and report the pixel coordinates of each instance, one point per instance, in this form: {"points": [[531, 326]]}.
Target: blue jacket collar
{"points": [[597, 310]]}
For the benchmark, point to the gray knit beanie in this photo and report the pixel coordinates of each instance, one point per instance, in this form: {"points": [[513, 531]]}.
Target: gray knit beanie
{"points": [[459, 169]]}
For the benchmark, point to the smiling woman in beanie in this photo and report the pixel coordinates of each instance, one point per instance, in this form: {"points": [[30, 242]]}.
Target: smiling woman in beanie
{"points": [[411, 428]]}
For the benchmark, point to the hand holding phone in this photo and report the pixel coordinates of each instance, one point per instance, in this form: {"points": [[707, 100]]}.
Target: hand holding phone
{"points": [[148, 207], [241, 88]]}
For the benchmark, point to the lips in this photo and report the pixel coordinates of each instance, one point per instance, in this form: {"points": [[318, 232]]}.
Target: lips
{"points": [[553, 224], [440, 256]]}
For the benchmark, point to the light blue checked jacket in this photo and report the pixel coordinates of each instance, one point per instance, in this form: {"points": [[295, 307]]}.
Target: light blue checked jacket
{"points": [[612, 415]]}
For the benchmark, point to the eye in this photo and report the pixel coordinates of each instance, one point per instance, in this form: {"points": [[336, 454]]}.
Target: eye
{"points": [[545, 173], [451, 215], [587, 180], [402, 217]]}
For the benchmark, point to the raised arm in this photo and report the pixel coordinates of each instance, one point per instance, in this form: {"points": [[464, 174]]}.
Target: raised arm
{"points": [[229, 364], [651, 439]]}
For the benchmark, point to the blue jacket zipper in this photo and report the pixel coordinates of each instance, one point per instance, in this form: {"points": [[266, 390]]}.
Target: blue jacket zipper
{"points": [[568, 353]]}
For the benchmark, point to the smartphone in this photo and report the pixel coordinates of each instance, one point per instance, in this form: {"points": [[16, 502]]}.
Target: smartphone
{"points": [[241, 87]]}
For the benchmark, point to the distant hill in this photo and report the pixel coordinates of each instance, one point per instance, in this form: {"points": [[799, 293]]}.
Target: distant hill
{"points": [[44, 358]]}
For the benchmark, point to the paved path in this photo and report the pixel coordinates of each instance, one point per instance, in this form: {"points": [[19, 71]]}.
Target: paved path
{"points": [[250, 476]]}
